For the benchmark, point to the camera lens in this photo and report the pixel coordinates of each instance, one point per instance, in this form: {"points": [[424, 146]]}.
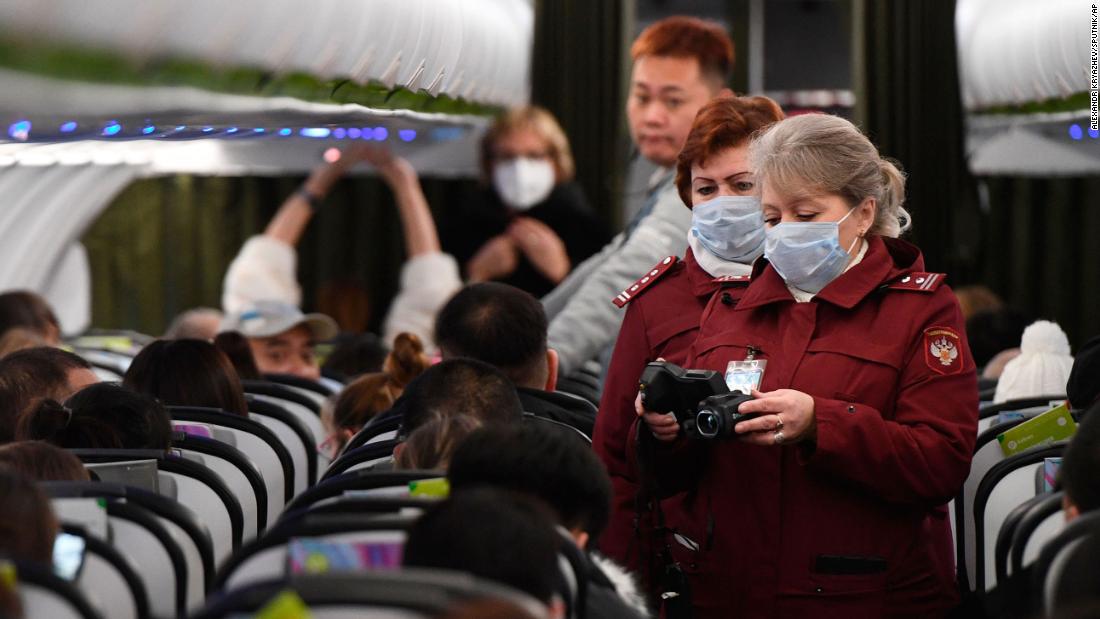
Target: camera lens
{"points": [[708, 423]]}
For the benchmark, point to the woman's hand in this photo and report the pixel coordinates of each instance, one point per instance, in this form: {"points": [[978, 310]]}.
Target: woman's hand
{"points": [[542, 246], [497, 258], [663, 425], [786, 416]]}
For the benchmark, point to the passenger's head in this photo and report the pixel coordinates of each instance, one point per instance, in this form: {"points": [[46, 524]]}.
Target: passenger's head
{"points": [[34, 373], [187, 373], [371, 394], [1080, 462], [236, 348], [102, 416], [502, 326], [492, 535], [28, 525], [460, 387], [433, 444], [200, 323], [282, 337], [42, 461], [1041, 369], [23, 308], [1083, 386], [821, 168], [355, 354], [714, 161], [715, 180], [524, 154], [19, 338], [550, 463], [680, 63], [974, 298]]}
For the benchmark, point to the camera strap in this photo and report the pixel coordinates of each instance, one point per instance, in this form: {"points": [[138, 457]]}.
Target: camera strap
{"points": [[663, 571]]}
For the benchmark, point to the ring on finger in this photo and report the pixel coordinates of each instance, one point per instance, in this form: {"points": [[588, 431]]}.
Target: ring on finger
{"points": [[778, 438], [778, 423]]}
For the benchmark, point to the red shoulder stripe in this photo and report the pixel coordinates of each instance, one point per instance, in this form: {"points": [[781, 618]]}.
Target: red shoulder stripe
{"points": [[635, 289]]}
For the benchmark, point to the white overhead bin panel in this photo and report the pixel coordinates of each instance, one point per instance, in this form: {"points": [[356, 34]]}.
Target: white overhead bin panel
{"points": [[1024, 71]]}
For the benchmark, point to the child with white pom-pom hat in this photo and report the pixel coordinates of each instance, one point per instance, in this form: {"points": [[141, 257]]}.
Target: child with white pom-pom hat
{"points": [[1042, 368]]}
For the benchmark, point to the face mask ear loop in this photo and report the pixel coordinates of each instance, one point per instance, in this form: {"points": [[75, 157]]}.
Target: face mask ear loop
{"points": [[858, 236]]}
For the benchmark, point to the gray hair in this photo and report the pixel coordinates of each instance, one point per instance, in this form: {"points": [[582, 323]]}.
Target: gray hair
{"points": [[813, 154]]}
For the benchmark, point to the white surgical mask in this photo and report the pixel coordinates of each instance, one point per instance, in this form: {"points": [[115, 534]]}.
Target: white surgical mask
{"points": [[730, 227], [522, 182], [807, 254]]}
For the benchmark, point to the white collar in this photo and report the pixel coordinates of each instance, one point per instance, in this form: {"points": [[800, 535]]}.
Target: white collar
{"points": [[802, 296], [713, 265]]}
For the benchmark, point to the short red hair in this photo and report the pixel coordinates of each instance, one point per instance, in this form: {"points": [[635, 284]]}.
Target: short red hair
{"points": [[680, 36], [724, 122]]}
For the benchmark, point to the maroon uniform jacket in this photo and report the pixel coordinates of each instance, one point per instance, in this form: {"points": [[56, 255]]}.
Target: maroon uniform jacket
{"points": [[853, 523], [662, 323]]}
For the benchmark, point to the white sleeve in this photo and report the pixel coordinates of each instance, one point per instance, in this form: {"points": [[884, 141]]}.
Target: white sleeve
{"points": [[265, 269], [428, 281], [589, 321]]}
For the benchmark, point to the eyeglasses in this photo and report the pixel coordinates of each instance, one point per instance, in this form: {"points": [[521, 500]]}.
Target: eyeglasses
{"points": [[329, 448]]}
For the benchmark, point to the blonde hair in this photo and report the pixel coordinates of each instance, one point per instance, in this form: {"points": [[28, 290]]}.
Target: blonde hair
{"points": [[814, 154], [538, 120]]}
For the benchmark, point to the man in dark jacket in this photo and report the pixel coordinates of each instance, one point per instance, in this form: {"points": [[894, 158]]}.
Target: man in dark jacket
{"points": [[506, 327]]}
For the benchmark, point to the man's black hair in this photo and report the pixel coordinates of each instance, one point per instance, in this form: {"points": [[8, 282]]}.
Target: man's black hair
{"points": [[1081, 461], [1083, 386], [498, 324], [553, 464], [493, 535], [459, 386]]}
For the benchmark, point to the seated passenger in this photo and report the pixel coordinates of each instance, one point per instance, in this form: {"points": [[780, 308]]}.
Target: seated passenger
{"points": [[187, 373], [23, 308], [282, 337], [102, 416], [355, 354], [19, 338], [452, 388], [42, 461], [1041, 369], [29, 375], [372, 394], [506, 327], [200, 323], [28, 525], [557, 467], [1083, 386], [491, 535], [533, 223], [1077, 477], [458, 387], [239, 352], [433, 444]]}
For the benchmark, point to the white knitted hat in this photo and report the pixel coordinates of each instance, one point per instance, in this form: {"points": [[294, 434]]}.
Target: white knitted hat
{"points": [[1041, 369]]}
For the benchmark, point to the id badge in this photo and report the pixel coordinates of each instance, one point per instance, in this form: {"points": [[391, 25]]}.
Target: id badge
{"points": [[744, 376]]}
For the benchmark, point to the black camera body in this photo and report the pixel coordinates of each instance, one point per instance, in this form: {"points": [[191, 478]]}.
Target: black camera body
{"points": [[718, 415], [702, 403]]}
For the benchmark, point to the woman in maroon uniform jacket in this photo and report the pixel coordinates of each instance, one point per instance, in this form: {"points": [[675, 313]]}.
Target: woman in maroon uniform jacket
{"points": [[831, 504], [727, 235]]}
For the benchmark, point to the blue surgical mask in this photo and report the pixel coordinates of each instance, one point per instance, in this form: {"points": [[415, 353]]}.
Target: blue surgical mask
{"points": [[807, 255], [730, 227]]}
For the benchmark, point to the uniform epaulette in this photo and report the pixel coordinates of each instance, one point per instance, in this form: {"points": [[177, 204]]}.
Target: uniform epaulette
{"points": [[637, 287], [918, 281]]}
